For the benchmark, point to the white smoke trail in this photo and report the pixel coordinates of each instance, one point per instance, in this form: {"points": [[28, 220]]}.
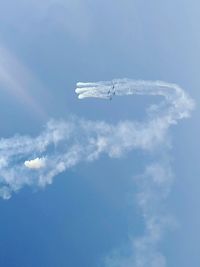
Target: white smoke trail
{"points": [[26, 160], [154, 185], [153, 188], [64, 144], [180, 104]]}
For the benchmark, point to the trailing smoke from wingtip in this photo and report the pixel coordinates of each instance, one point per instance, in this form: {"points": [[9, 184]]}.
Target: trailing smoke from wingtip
{"points": [[66, 143], [175, 97]]}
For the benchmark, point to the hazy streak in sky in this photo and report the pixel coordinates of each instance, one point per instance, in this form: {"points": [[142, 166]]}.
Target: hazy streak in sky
{"points": [[17, 80]]}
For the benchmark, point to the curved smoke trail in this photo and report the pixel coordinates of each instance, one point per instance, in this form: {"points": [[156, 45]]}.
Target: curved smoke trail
{"points": [[35, 161], [155, 183], [180, 103]]}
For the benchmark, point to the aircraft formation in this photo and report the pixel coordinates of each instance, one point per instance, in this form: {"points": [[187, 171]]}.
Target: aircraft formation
{"points": [[105, 90]]}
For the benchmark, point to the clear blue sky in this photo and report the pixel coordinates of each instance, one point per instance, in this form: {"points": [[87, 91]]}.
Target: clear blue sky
{"points": [[90, 210]]}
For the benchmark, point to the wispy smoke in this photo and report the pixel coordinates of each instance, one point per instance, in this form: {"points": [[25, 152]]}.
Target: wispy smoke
{"points": [[64, 144], [153, 188], [155, 183], [179, 103], [27, 161]]}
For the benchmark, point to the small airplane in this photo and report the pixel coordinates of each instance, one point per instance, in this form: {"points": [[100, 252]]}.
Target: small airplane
{"points": [[111, 92]]}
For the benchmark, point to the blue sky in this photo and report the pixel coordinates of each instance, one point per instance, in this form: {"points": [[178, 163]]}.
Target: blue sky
{"points": [[91, 209]]}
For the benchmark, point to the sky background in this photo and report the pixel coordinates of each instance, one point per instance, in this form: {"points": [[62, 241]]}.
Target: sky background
{"points": [[89, 210]]}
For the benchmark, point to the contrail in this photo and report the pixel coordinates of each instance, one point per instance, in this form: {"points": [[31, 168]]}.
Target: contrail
{"points": [[35, 161]]}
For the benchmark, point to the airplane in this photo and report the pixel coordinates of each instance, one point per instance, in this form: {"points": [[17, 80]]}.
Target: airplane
{"points": [[111, 92]]}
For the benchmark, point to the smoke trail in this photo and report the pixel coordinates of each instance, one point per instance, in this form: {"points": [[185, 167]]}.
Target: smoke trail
{"points": [[144, 251], [64, 144], [155, 183], [35, 161], [180, 104]]}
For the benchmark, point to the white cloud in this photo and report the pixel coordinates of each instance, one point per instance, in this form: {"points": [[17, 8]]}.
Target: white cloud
{"points": [[35, 164]]}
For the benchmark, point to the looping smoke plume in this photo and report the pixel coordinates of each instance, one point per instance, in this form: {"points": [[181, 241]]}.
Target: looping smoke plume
{"points": [[35, 161], [155, 183], [65, 143]]}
